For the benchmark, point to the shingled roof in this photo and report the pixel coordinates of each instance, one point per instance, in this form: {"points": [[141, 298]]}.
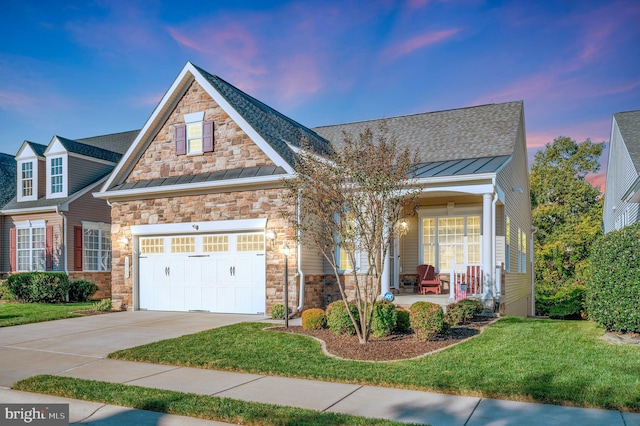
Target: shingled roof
{"points": [[629, 126], [89, 150], [457, 134], [38, 148], [275, 128], [115, 142], [8, 172]]}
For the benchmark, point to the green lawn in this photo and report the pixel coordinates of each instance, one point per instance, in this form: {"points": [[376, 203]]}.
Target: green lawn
{"points": [[187, 404], [24, 313], [558, 362]]}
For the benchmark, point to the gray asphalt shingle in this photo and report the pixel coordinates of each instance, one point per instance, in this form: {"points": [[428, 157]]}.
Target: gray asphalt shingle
{"points": [[629, 125]]}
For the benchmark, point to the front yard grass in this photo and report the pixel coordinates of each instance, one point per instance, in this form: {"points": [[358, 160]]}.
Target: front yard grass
{"points": [[24, 313], [188, 404], [557, 362]]}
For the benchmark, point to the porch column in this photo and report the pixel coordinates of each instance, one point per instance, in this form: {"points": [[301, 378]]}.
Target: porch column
{"points": [[386, 276], [487, 232]]}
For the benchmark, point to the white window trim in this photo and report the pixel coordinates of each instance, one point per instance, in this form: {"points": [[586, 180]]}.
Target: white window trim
{"points": [[193, 118], [444, 212], [30, 224], [64, 192], [507, 244], [523, 242], [34, 180], [102, 227]]}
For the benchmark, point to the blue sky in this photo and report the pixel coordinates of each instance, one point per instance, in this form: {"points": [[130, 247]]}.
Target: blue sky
{"points": [[85, 68]]}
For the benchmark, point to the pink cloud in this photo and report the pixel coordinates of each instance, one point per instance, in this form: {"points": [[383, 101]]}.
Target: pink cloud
{"points": [[599, 179], [408, 46], [16, 101], [151, 99], [298, 76]]}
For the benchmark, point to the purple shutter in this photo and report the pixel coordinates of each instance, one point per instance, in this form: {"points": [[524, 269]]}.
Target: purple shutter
{"points": [[12, 250], [49, 247], [180, 138], [207, 136]]}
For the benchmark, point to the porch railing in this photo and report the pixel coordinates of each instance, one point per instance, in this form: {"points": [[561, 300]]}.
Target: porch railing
{"points": [[465, 280]]}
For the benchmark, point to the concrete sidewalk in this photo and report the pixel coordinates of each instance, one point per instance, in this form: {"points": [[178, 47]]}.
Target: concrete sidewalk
{"points": [[78, 347]]}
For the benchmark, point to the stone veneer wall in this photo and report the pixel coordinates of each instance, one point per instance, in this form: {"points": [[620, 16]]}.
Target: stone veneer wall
{"points": [[263, 203], [101, 279]]}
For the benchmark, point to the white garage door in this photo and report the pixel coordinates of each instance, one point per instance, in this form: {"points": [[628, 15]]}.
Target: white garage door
{"points": [[210, 272]]}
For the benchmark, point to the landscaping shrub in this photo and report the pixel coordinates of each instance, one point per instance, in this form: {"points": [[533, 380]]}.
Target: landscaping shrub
{"points": [[565, 302], [472, 307], [81, 291], [384, 318], [314, 319], [454, 314], [338, 318], [277, 311], [103, 306], [5, 291], [462, 312], [40, 287], [403, 324], [613, 286], [427, 320]]}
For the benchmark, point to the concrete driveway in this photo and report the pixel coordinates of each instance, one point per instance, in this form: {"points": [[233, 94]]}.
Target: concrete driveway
{"points": [[56, 346]]}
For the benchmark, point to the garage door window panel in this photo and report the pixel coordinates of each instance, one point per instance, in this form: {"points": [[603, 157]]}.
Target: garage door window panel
{"points": [[152, 246], [215, 243], [250, 242], [183, 245]]}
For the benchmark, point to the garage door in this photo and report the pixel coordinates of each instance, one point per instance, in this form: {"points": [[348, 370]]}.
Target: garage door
{"points": [[210, 272]]}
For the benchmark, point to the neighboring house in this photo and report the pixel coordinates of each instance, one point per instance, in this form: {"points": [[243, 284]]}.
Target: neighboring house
{"points": [[199, 192], [622, 190], [53, 222], [7, 185]]}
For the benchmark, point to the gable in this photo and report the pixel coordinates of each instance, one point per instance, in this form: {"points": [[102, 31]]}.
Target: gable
{"points": [[232, 147], [629, 128]]}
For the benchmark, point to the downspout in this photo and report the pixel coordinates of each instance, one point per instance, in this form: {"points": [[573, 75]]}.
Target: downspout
{"points": [[64, 240], [493, 241], [299, 262]]}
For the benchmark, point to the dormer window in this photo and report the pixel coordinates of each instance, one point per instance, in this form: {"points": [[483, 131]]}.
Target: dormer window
{"points": [[26, 179], [195, 136], [56, 175]]}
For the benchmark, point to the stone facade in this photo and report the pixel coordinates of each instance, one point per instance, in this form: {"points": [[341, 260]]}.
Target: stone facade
{"points": [[101, 279], [232, 147]]}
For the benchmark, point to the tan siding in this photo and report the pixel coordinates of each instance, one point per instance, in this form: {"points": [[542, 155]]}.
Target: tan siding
{"points": [[312, 261], [517, 206], [42, 178], [83, 172], [409, 246], [85, 208]]}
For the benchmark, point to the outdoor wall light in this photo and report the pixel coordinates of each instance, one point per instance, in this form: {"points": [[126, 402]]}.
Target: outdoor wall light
{"points": [[271, 235], [124, 241], [404, 225]]}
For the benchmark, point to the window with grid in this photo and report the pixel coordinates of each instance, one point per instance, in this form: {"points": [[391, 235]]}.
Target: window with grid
{"points": [[183, 244], [215, 243], [56, 175], [96, 247], [31, 249], [449, 238], [194, 138], [522, 251], [344, 247], [26, 178], [250, 242], [507, 239], [151, 245]]}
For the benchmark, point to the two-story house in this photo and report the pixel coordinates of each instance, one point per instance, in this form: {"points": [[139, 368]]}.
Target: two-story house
{"points": [[622, 192], [52, 222]]}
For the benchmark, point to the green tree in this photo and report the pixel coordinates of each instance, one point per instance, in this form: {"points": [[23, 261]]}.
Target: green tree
{"points": [[352, 201], [567, 211]]}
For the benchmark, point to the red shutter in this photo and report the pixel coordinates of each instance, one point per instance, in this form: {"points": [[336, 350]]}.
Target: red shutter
{"points": [[12, 250], [77, 239], [49, 247], [180, 138], [207, 136]]}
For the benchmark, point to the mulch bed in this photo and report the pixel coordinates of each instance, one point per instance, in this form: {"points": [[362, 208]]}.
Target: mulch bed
{"points": [[389, 348]]}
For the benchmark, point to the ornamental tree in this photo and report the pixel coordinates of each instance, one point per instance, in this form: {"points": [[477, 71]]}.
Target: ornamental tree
{"points": [[351, 203]]}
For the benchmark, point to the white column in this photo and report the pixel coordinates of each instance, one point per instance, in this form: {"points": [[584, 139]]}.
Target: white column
{"points": [[487, 232], [386, 276]]}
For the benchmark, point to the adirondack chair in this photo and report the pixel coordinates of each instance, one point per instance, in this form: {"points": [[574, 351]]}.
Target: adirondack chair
{"points": [[428, 281]]}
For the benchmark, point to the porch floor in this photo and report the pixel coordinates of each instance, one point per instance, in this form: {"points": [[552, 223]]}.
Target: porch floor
{"points": [[407, 299]]}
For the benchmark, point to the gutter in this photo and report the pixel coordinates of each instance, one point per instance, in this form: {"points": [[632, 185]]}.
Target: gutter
{"points": [[534, 230], [494, 239]]}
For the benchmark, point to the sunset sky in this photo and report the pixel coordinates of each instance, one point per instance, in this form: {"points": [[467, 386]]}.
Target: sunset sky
{"points": [[86, 68]]}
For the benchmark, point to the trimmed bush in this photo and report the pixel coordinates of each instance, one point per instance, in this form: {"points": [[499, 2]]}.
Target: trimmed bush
{"points": [[613, 286], [403, 324], [338, 318], [277, 311], [40, 287], [462, 312], [454, 314], [384, 318], [81, 291], [103, 306], [568, 302], [472, 307], [5, 291], [314, 319], [427, 320]]}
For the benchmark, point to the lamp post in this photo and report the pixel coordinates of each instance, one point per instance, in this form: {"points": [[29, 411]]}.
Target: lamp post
{"points": [[286, 251]]}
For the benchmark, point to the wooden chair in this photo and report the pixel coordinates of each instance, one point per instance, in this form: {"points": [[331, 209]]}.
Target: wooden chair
{"points": [[428, 281]]}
